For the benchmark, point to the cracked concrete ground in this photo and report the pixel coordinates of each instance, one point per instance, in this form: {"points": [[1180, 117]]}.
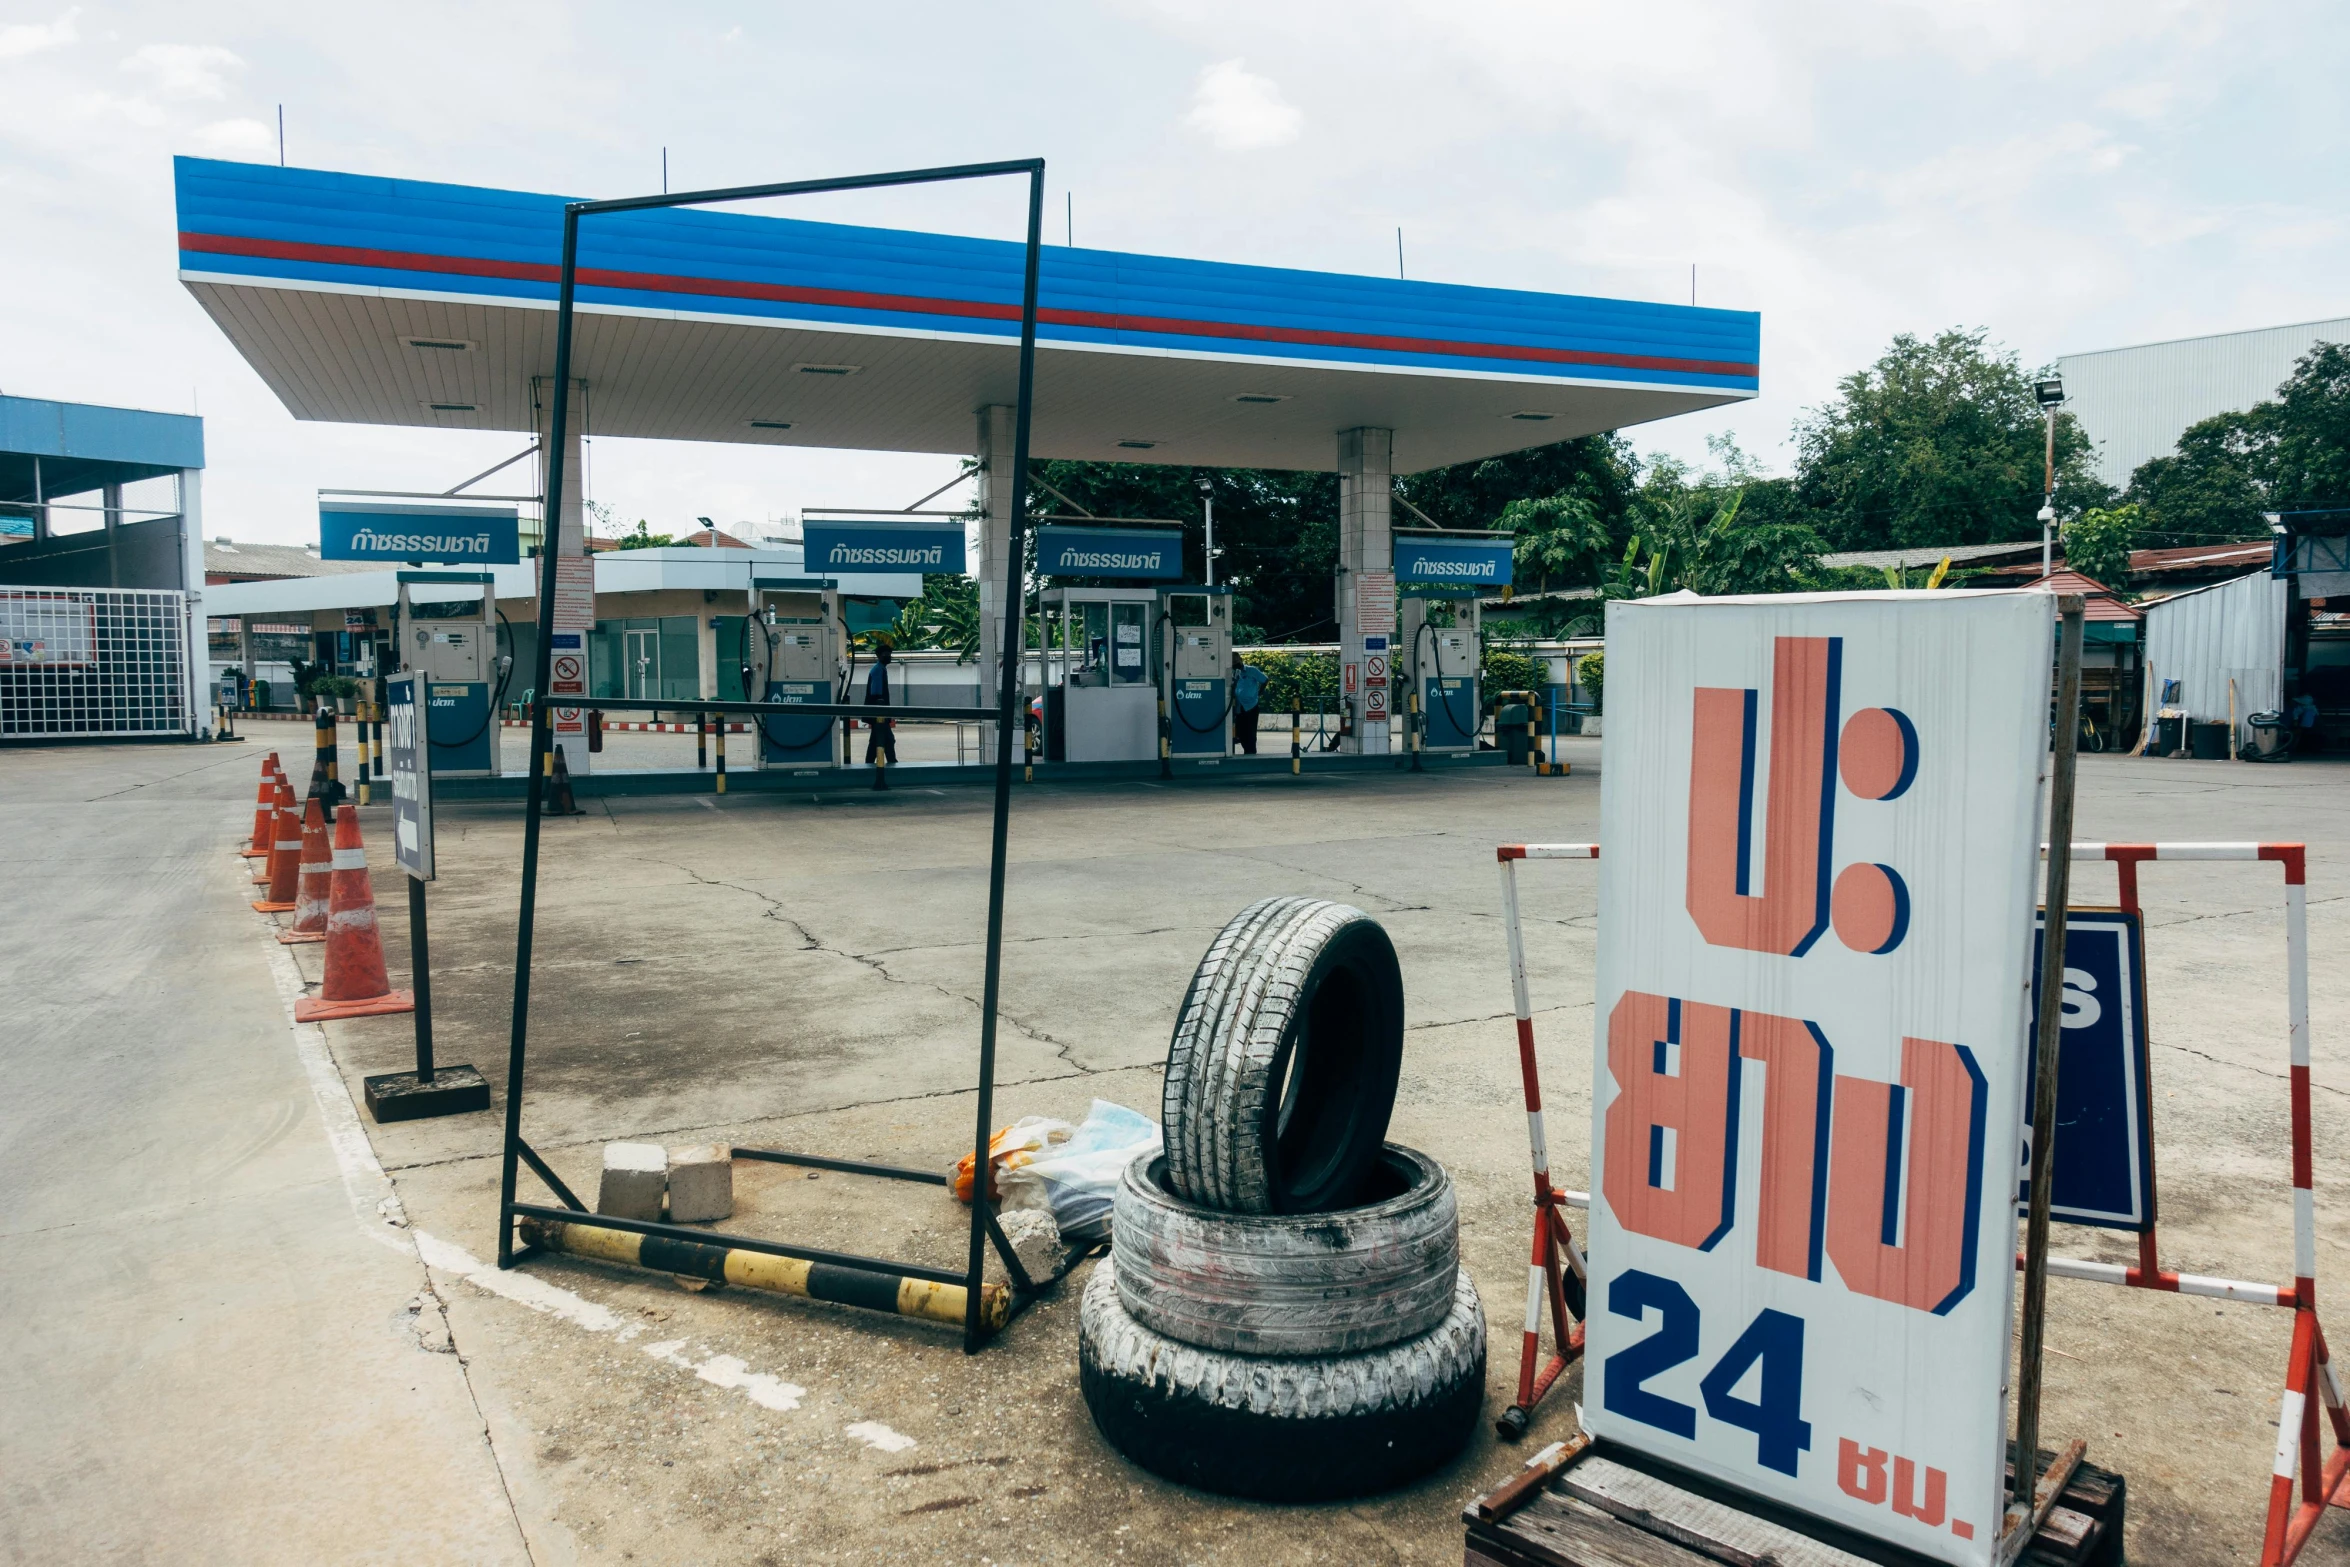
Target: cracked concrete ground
{"points": [[806, 974]]}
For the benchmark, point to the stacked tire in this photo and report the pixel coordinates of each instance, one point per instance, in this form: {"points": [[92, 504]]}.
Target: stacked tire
{"points": [[1283, 1314]]}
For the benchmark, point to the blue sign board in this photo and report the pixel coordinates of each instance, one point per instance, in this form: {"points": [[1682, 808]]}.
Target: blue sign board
{"points": [[2104, 1100], [474, 535], [1476, 561], [1065, 551], [405, 746], [834, 547]]}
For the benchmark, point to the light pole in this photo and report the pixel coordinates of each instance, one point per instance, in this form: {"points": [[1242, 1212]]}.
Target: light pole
{"points": [[1207, 500], [2051, 394]]}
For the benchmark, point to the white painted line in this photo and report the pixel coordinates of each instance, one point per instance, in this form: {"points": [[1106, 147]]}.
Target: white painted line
{"points": [[874, 1434], [376, 1206]]}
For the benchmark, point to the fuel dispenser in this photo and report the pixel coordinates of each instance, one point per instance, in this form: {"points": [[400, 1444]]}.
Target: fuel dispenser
{"points": [[1443, 648], [1195, 669], [792, 655], [448, 632], [1101, 694]]}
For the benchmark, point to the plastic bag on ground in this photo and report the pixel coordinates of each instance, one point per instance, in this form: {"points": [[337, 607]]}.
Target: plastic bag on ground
{"points": [[1076, 1180], [1010, 1148]]}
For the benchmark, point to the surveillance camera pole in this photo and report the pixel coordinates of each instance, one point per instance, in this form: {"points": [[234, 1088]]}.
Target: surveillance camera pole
{"points": [[1207, 500]]}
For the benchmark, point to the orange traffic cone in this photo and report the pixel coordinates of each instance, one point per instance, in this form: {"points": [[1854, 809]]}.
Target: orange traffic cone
{"points": [[355, 984], [264, 809], [317, 884], [285, 857], [279, 781]]}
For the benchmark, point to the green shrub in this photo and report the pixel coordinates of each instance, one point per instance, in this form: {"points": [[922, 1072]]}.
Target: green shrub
{"points": [[1591, 675], [1508, 669], [1308, 680]]}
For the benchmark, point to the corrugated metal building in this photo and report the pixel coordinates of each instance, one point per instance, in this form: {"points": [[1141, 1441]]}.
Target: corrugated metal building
{"points": [[2136, 402], [2210, 638]]}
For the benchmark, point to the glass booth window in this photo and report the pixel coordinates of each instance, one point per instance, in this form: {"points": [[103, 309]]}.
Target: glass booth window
{"points": [[1127, 640], [1093, 668]]}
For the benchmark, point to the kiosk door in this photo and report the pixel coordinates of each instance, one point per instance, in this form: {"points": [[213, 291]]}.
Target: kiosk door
{"points": [[1108, 705]]}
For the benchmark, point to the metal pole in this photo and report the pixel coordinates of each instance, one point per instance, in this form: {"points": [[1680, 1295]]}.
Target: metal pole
{"points": [[1013, 655], [1208, 499], [2048, 499], [2050, 1029], [550, 542], [420, 970]]}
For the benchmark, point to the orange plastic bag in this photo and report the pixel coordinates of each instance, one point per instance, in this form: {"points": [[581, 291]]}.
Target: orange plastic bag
{"points": [[1009, 1149]]}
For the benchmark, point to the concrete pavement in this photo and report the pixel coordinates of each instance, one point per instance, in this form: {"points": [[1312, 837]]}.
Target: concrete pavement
{"points": [[218, 1350]]}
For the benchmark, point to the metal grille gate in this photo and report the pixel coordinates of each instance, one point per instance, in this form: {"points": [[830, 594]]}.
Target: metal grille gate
{"points": [[93, 661]]}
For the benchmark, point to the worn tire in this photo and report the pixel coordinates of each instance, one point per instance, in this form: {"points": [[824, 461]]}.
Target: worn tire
{"points": [[1290, 1284], [1281, 1429], [1281, 1074]]}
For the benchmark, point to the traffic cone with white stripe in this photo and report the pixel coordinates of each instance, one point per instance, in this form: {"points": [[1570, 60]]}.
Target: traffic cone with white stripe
{"points": [[264, 810], [285, 857], [355, 984], [269, 843], [317, 884]]}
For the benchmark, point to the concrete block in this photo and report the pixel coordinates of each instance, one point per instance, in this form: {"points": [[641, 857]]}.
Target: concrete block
{"points": [[1035, 1239], [634, 1176], [701, 1184]]}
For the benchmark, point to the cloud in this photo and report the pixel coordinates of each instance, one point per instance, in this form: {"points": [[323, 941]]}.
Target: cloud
{"points": [[229, 138], [185, 70], [25, 38], [1240, 112]]}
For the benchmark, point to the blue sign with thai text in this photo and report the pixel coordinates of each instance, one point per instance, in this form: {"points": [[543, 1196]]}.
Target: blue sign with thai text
{"points": [[2104, 1102], [833, 546], [1065, 551], [479, 535], [1464, 562]]}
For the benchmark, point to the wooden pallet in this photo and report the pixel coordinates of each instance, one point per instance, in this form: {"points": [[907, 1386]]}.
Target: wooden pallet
{"points": [[1610, 1508]]}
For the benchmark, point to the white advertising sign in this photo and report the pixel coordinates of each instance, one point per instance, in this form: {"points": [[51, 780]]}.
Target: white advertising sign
{"points": [[1819, 824]]}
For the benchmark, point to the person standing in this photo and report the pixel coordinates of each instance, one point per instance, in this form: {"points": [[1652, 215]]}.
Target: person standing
{"points": [[881, 749], [1248, 690]]}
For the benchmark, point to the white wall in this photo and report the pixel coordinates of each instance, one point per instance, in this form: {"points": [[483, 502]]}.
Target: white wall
{"points": [[2135, 402], [2230, 631]]}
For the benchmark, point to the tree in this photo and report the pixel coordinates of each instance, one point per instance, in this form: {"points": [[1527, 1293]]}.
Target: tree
{"points": [[1599, 471], [644, 540], [2305, 446], [1276, 532], [2291, 453], [1938, 442], [2098, 546]]}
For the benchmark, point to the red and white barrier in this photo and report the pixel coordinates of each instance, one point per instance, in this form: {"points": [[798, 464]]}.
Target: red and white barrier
{"points": [[2299, 1452], [1554, 1242]]}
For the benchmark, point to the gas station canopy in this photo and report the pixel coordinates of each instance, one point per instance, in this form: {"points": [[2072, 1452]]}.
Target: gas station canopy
{"points": [[381, 301]]}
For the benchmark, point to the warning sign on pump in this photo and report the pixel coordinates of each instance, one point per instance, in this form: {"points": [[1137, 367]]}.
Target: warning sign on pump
{"points": [[1375, 669], [1375, 705], [570, 721]]}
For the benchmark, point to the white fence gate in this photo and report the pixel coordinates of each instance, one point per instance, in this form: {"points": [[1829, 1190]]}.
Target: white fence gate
{"points": [[94, 662]]}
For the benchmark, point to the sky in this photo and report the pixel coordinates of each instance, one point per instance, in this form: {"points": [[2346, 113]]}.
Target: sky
{"points": [[2070, 177]]}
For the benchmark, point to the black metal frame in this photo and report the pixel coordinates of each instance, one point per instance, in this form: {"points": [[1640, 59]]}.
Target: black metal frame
{"points": [[984, 1227]]}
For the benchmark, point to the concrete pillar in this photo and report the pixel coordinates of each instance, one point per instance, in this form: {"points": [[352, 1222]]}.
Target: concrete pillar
{"points": [[569, 530], [199, 643], [566, 535], [1366, 581], [997, 430]]}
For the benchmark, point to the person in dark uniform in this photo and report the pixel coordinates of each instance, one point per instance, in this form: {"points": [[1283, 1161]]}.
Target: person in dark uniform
{"points": [[881, 750]]}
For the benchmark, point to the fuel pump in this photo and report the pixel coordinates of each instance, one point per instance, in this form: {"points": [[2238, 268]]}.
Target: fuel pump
{"points": [[1195, 669], [1443, 648], [792, 656], [448, 632]]}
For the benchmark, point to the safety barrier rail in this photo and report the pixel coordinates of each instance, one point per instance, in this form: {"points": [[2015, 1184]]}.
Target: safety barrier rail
{"points": [[2309, 1368]]}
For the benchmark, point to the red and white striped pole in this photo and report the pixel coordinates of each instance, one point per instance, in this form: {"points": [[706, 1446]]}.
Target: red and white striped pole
{"points": [[1551, 1236]]}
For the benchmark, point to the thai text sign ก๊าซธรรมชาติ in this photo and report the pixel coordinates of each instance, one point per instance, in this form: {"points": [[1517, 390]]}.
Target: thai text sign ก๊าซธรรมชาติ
{"points": [[1819, 823]]}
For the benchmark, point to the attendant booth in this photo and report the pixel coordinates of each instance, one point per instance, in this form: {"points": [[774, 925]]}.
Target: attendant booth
{"points": [[1102, 684]]}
